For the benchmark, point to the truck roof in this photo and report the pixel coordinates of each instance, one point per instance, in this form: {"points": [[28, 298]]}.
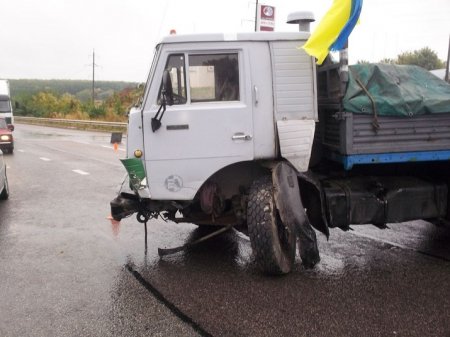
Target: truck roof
{"points": [[222, 37]]}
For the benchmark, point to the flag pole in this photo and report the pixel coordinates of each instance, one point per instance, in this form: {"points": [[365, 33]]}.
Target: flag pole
{"points": [[343, 67], [256, 16]]}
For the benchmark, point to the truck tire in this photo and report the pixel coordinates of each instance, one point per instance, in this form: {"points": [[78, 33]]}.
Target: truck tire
{"points": [[273, 244]]}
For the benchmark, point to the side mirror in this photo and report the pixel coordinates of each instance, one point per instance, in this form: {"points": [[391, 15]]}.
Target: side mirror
{"points": [[166, 99]]}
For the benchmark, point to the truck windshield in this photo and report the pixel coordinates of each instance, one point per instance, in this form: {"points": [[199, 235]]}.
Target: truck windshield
{"points": [[3, 124], [150, 75], [5, 106]]}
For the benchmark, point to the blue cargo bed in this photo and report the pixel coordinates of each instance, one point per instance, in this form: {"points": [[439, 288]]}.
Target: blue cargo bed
{"points": [[385, 158], [352, 139], [392, 114]]}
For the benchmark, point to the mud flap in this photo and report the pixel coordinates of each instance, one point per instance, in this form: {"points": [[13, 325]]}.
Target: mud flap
{"points": [[292, 212]]}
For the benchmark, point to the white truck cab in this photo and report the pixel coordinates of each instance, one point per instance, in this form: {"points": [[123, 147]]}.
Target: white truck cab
{"points": [[219, 112], [233, 95]]}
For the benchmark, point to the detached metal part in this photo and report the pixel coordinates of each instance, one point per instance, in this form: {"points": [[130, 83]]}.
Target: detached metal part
{"points": [[292, 212], [168, 251]]}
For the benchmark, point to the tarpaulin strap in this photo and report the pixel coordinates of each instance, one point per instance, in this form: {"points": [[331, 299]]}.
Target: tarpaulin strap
{"points": [[375, 124]]}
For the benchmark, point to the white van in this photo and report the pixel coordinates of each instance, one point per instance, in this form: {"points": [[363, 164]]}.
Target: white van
{"points": [[6, 110]]}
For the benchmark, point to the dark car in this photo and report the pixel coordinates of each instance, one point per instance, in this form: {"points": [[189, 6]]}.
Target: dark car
{"points": [[6, 137]]}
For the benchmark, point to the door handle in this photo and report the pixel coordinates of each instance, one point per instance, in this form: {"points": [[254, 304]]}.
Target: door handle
{"points": [[255, 89], [241, 136]]}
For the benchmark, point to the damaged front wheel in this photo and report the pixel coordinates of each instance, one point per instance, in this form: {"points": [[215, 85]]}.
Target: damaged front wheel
{"points": [[272, 242]]}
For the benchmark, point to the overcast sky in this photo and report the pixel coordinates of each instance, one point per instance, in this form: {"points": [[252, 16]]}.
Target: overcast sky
{"points": [[54, 39]]}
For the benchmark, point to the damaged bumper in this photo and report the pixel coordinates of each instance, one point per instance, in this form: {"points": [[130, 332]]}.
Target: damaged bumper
{"points": [[128, 201], [123, 206]]}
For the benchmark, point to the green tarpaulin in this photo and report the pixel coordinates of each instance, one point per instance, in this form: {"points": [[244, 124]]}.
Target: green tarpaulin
{"points": [[395, 90]]}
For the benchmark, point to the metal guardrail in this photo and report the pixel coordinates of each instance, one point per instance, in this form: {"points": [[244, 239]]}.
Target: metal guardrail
{"points": [[73, 124]]}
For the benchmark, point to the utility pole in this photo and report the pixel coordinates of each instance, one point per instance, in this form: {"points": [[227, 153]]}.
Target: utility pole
{"points": [[93, 77]]}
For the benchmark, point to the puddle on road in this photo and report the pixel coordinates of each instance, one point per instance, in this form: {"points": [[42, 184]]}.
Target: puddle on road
{"points": [[342, 255], [41, 135]]}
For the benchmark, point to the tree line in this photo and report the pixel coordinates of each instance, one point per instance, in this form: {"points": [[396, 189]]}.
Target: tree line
{"points": [[73, 99], [425, 58]]}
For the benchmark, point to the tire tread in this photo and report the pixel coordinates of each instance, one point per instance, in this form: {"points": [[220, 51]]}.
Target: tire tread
{"points": [[261, 217]]}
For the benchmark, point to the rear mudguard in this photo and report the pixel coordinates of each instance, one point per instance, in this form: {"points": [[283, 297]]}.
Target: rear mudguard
{"points": [[292, 212]]}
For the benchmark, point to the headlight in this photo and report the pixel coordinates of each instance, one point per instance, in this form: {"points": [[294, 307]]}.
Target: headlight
{"points": [[5, 137], [138, 153]]}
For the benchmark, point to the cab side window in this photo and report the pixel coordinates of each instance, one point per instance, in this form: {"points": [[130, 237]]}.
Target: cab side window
{"points": [[214, 77], [176, 68]]}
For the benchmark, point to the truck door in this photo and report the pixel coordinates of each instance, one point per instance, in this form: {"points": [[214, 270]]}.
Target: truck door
{"points": [[208, 127]]}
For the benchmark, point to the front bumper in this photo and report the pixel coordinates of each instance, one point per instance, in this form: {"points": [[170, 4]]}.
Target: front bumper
{"points": [[7, 146], [123, 206], [128, 201]]}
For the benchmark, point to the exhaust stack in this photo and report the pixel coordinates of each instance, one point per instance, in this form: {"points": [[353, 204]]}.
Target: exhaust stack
{"points": [[302, 18]]}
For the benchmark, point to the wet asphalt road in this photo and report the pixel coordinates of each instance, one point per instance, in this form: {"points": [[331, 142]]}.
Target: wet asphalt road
{"points": [[66, 271]]}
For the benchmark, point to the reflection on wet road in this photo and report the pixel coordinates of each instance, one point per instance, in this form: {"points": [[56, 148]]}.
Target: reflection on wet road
{"points": [[67, 272], [362, 287]]}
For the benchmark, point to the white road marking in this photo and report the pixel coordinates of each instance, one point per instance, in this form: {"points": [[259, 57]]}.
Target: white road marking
{"points": [[83, 173], [81, 142], [21, 151], [44, 159]]}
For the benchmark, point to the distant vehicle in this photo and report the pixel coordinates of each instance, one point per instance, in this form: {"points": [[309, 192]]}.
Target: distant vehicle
{"points": [[6, 137], [6, 110], [4, 189]]}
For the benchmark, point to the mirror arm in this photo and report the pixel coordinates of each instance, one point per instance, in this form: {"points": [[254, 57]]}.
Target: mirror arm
{"points": [[156, 121]]}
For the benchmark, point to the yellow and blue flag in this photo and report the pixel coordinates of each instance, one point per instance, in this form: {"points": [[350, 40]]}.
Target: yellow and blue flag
{"points": [[333, 31]]}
